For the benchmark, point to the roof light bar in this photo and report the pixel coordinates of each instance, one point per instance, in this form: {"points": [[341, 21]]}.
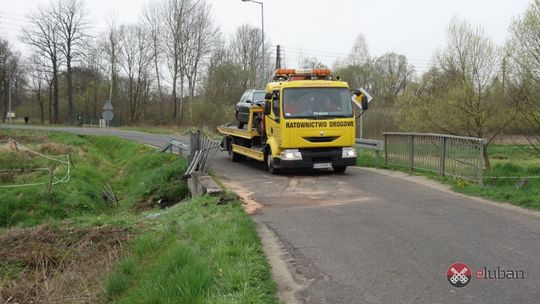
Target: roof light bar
{"points": [[302, 72]]}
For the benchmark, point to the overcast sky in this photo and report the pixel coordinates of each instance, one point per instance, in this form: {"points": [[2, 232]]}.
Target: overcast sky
{"points": [[322, 28]]}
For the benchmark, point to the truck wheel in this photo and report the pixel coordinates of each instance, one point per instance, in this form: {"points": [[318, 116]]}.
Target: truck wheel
{"points": [[270, 163], [235, 157], [340, 169]]}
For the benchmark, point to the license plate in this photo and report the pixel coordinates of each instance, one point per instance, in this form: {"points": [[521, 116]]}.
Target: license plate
{"points": [[322, 165]]}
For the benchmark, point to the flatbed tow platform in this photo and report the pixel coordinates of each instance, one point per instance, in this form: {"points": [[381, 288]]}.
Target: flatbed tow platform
{"points": [[234, 134]]}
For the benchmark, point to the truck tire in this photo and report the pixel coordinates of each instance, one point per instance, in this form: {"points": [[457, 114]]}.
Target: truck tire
{"points": [[270, 163], [235, 157], [340, 169]]}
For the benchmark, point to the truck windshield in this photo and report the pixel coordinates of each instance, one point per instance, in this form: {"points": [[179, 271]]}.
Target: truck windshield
{"points": [[317, 103]]}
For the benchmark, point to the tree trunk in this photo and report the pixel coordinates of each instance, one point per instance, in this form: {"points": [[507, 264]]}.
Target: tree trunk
{"points": [[55, 93], [50, 101], [42, 111], [181, 97], [174, 99], [5, 99], [158, 79], [70, 92]]}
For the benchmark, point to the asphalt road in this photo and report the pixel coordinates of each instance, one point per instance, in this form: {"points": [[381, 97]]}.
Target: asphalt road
{"points": [[145, 138], [366, 237]]}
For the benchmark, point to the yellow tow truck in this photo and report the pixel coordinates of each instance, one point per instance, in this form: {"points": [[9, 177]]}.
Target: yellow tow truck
{"points": [[306, 121]]}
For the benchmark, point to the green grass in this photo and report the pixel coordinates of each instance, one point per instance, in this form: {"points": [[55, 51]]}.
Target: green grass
{"points": [[171, 130], [203, 250], [135, 172], [368, 158], [506, 161], [196, 252], [509, 161]]}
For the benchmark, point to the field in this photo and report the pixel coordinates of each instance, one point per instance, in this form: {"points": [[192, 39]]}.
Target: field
{"points": [[511, 165], [70, 243]]}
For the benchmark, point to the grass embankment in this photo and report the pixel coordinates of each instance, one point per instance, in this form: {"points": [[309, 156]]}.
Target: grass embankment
{"points": [[506, 160], [134, 171], [199, 252], [70, 246]]}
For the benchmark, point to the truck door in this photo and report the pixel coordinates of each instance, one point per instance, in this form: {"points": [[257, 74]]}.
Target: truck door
{"points": [[273, 129]]}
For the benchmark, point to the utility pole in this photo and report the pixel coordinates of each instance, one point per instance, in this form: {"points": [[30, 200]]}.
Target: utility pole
{"points": [[9, 95], [278, 57], [263, 51], [263, 72]]}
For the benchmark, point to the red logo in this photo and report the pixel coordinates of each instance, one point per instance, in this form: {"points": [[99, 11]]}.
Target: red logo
{"points": [[459, 275]]}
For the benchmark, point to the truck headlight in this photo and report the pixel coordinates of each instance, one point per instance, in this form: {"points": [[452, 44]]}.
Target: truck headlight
{"points": [[348, 153], [290, 154]]}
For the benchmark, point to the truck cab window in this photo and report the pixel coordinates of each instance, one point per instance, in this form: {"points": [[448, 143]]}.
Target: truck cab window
{"points": [[316, 103]]}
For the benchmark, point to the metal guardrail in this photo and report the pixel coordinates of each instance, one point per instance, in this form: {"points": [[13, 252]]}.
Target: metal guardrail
{"points": [[370, 144], [450, 155], [180, 145], [202, 152]]}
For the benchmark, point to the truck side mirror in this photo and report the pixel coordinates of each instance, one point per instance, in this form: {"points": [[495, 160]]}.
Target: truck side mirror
{"points": [[267, 108], [360, 99], [364, 102], [268, 95]]}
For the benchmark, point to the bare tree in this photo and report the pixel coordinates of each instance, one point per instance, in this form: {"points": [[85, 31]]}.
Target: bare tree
{"points": [[91, 79], [359, 54], [38, 76], [246, 47], [136, 62], [393, 74], [153, 21], [72, 26], [312, 63], [14, 81], [199, 36], [175, 14], [6, 65], [43, 37], [110, 44]]}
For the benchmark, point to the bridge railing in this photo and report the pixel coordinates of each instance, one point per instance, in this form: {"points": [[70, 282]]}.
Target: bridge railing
{"points": [[447, 155]]}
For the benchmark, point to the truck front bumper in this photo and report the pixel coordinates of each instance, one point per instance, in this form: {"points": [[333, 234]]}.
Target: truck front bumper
{"points": [[316, 156]]}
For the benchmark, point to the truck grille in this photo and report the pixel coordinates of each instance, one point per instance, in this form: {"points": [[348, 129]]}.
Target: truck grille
{"points": [[321, 139]]}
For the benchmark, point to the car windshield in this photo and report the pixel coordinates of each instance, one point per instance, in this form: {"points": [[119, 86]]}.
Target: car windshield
{"points": [[258, 96], [316, 103]]}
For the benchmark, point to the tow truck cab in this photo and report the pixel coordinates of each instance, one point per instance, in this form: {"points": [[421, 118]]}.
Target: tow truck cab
{"points": [[309, 121]]}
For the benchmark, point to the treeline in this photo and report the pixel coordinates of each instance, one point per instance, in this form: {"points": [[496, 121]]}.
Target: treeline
{"points": [[174, 66], [472, 88]]}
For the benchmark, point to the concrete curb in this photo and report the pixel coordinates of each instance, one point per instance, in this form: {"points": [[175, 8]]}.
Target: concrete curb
{"points": [[202, 184]]}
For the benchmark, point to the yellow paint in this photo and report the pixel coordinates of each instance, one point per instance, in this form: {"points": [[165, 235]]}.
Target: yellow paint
{"points": [[280, 134]]}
